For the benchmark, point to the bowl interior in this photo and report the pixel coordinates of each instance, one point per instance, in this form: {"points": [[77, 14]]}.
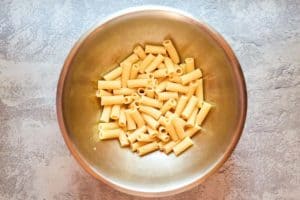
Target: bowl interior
{"points": [[106, 46]]}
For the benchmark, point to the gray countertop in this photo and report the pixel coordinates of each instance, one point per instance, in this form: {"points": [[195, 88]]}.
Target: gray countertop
{"points": [[35, 37]]}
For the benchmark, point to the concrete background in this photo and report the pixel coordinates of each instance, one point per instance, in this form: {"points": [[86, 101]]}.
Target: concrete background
{"points": [[35, 37]]}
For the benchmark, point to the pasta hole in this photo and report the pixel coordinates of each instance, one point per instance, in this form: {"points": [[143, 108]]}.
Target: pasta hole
{"points": [[162, 130], [179, 71], [127, 100], [150, 76], [173, 102], [141, 91]]}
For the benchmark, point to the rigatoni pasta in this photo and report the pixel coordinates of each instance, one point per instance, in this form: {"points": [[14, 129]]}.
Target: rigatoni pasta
{"points": [[134, 71], [151, 101], [105, 115], [122, 118], [131, 59], [101, 93], [170, 66], [203, 112], [190, 76], [107, 125], [138, 50], [151, 111], [110, 134], [153, 65], [137, 83], [115, 111], [149, 58], [109, 85], [126, 67], [176, 87], [112, 75], [112, 100], [123, 139], [190, 64], [147, 148], [163, 96], [171, 51], [147, 101], [150, 121], [189, 107], [155, 49], [182, 146]]}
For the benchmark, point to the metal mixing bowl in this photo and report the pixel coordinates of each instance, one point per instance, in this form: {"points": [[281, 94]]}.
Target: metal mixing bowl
{"points": [[107, 44]]}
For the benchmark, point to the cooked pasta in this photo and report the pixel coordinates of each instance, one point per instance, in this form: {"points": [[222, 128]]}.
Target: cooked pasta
{"points": [[151, 101]]}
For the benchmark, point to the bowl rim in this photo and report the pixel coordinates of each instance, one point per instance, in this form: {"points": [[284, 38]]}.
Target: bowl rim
{"points": [[216, 37]]}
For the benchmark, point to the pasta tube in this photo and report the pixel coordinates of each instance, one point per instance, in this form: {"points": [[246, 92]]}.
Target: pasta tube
{"points": [[192, 119], [163, 96], [167, 148], [147, 101], [190, 132], [189, 107], [152, 132], [138, 50], [200, 93], [171, 103], [203, 113], [155, 49], [109, 84], [131, 59], [171, 51], [136, 116], [112, 75], [122, 118], [137, 83], [153, 65], [123, 91], [110, 134], [112, 100], [134, 71], [150, 121], [176, 87], [130, 122], [162, 134], [182, 146], [123, 139], [136, 145], [107, 125], [105, 115], [145, 138], [126, 67], [171, 130], [133, 136], [190, 64], [170, 66], [177, 124], [190, 76], [160, 73], [181, 105], [151, 111], [115, 112], [147, 61], [148, 148], [100, 93]]}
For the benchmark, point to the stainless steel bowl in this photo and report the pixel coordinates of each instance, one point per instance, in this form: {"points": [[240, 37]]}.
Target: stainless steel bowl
{"points": [[107, 44]]}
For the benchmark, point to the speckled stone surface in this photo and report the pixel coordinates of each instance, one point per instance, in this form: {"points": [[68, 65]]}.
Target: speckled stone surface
{"points": [[35, 37]]}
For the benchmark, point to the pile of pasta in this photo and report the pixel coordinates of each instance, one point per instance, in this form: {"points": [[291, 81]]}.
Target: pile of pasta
{"points": [[152, 102]]}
